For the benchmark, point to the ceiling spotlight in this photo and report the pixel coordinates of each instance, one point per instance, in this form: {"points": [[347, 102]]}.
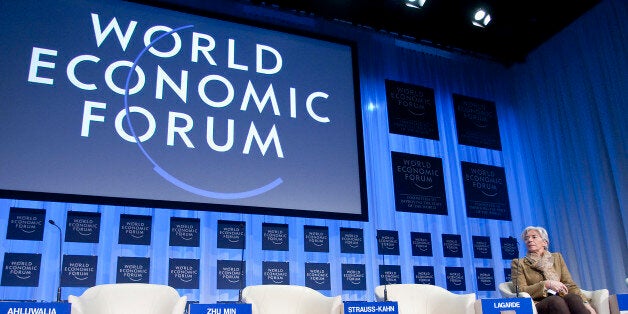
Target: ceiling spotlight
{"points": [[481, 18], [415, 4]]}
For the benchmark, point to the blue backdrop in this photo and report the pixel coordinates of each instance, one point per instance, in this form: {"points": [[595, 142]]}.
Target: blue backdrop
{"points": [[562, 118]]}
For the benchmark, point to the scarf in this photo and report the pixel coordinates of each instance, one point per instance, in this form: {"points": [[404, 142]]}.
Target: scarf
{"points": [[544, 264]]}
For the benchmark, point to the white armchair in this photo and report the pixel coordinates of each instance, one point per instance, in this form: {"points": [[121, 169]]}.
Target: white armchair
{"points": [[599, 298], [289, 299], [128, 298], [426, 299]]}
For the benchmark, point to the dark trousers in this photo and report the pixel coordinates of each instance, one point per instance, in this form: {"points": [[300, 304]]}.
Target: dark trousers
{"points": [[567, 304]]}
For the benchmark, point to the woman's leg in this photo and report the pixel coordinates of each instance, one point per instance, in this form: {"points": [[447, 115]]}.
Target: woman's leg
{"points": [[575, 304], [552, 305]]}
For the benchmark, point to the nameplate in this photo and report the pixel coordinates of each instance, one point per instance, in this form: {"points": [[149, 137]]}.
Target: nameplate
{"points": [[507, 306], [34, 308], [618, 303], [358, 307], [622, 302], [220, 308]]}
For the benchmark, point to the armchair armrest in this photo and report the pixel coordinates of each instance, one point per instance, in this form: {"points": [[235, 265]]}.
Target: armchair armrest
{"points": [[599, 300], [507, 290]]}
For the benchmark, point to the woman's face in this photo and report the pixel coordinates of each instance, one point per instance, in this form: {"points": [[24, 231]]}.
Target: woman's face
{"points": [[534, 242]]}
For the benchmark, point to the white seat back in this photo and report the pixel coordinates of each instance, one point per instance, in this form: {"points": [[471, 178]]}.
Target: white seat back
{"points": [[128, 298], [426, 299], [288, 299]]}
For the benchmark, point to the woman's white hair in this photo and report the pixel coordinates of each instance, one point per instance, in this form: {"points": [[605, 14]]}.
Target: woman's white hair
{"points": [[541, 232]]}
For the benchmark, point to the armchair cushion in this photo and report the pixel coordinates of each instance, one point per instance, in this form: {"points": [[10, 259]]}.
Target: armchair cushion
{"points": [[128, 298], [426, 299]]}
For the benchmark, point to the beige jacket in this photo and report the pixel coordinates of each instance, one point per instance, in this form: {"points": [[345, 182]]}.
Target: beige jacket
{"points": [[531, 280]]}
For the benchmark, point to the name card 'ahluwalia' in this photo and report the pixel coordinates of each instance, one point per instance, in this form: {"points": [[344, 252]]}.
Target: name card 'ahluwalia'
{"points": [[34, 308]]}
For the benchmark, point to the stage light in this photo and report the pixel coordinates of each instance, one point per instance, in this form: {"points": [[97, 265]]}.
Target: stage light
{"points": [[415, 4], [481, 18]]}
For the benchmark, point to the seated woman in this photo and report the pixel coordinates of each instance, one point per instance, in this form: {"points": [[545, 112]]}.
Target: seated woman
{"points": [[546, 278]]}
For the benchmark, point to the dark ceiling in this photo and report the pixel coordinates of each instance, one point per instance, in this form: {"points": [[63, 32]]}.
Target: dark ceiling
{"points": [[516, 29]]}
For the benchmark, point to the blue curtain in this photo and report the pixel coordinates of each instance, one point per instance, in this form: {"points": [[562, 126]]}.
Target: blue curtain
{"points": [[562, 119], [571, 96]]}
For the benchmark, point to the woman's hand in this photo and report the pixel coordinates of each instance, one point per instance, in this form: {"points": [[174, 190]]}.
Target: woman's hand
{"points": [[590, 308], [556, 285]]}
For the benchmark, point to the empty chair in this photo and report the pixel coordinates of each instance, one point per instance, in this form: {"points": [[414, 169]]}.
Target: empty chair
{"points": [[288, 299], [128, 298], [426, 299]]}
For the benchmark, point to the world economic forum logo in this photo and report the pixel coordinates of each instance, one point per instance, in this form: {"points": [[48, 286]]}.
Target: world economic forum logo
{"points": [[156, 167]]}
